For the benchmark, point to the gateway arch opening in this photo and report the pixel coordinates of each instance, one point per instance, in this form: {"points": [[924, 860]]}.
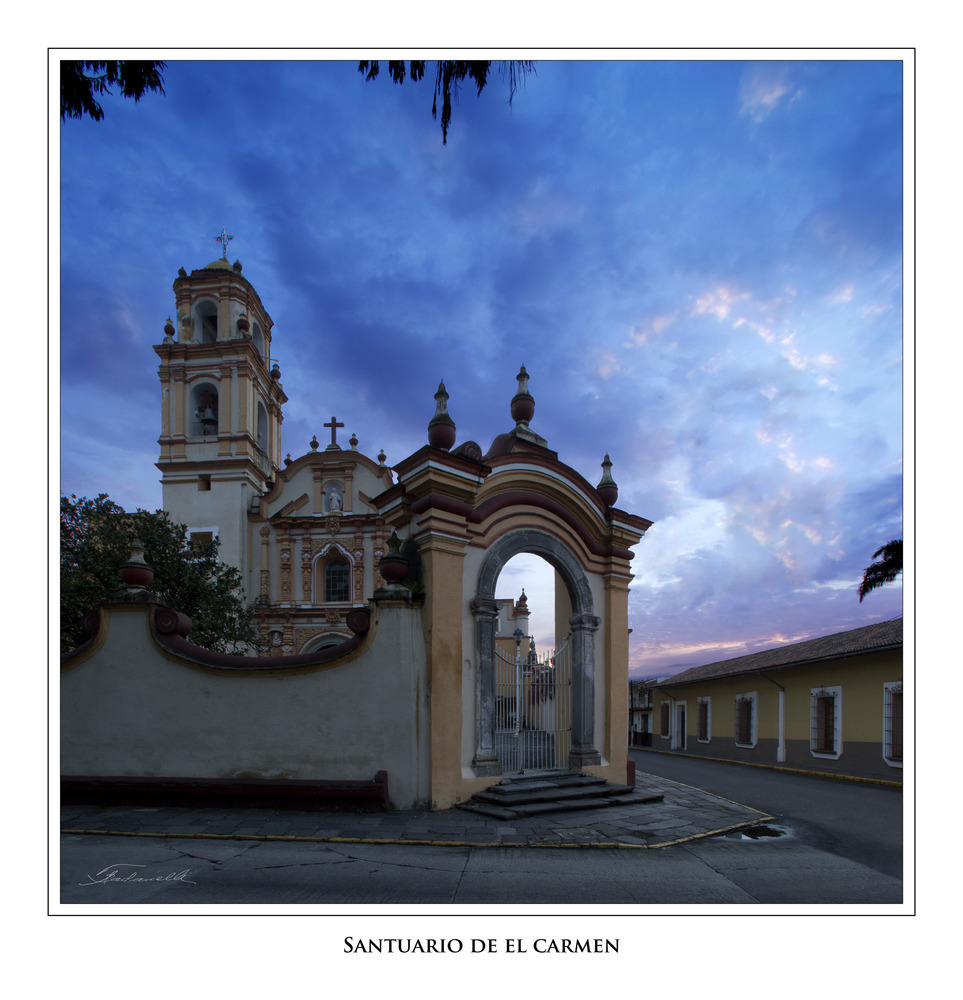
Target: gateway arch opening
{"points": [[535, 697]]}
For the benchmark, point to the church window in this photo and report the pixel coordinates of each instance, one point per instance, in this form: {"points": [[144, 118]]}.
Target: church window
{"points": [[825, 722], [203, 410], [893, 723], [337, 575], [206, 322], [258, 339], [262, 427], [745, 720]]}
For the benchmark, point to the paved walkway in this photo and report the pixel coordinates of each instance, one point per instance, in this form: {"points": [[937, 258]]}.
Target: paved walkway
{"points": [[685, 814]]}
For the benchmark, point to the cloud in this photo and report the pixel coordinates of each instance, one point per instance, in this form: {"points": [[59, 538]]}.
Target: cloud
{"points": [[763, 89]]}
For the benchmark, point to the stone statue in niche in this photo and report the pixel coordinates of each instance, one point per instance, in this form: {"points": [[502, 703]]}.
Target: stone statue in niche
{"points": [[335, 500]]}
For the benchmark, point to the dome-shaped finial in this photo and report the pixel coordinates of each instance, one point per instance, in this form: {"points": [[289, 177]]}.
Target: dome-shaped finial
{"points": [[441, 429], [607, 488], [169, 331], [523, 403], [135, 572]]}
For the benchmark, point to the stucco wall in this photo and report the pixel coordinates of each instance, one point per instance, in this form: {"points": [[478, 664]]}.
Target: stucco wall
{"points": [[860, 678], [134, 709]]}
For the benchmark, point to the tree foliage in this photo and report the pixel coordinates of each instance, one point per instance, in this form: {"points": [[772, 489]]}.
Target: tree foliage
{"points": [[95, 540], [81, 82], [888, 566], [448, 75]]}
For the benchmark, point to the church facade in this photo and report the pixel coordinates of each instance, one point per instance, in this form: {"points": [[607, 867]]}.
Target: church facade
{"points": [[334, 545]]}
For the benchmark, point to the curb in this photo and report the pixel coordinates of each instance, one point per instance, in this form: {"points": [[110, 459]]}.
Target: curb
{"points": [[770, 767], [292, 838]]}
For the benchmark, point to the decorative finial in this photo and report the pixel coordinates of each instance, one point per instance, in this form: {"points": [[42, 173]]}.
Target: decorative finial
{"points": [[382, 457], [353, 441], [275, 372], [607, 488], [314, 442], [441, 429], [237, 266], [169, 331], [181, 272], [287, 459], [393, 567], [223, 239], [135, 572], [523, 403]]}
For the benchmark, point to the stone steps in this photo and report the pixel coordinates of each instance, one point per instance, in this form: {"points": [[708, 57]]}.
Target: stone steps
{"points": [[565, 791]]}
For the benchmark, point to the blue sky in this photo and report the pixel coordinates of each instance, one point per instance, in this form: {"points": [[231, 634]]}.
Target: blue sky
{"points": [[699, 263]]}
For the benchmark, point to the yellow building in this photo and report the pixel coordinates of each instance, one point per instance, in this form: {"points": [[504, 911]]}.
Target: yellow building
{"points": [[832, 704]]}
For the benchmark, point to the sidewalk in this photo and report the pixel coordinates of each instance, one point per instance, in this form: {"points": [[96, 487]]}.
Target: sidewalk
{"points": [[684, 814]]}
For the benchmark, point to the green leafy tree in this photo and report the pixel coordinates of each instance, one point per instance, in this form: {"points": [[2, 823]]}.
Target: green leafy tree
{"points": [[95, 540], [888, 566], [82, 82], [448, 75]]}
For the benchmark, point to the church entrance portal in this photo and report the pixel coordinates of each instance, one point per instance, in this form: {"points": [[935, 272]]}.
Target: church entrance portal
{"points": [[540, 714]]}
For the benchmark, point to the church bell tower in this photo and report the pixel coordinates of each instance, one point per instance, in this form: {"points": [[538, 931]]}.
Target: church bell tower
{"points": [[221, 414]]}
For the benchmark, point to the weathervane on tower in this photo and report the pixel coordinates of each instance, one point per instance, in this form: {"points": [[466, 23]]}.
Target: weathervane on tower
{"points": [[223, 239]]}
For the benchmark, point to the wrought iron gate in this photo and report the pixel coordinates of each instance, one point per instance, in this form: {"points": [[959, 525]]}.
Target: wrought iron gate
{"points": [[533, 709]]}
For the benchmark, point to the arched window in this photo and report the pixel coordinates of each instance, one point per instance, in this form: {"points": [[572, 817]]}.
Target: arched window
{"points": [[327, 641], [337, 580], [258, 339], [205, 329], [203, 418], [262, 427]]}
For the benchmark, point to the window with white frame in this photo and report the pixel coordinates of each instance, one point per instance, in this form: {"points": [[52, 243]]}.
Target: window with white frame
{"points": [[704, 719], [664, 720], [893, 723], [745, 719], [826, 722]]}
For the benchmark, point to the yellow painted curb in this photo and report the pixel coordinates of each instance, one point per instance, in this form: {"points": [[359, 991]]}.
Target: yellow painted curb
{"points": [[291, 838], [768, 767]]}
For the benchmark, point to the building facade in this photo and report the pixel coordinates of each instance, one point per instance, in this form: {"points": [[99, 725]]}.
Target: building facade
{"points": [[832, 704], [339, 550]]}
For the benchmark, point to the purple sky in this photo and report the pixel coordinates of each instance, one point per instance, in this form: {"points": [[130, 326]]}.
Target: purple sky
{"points": [[699, 263]]}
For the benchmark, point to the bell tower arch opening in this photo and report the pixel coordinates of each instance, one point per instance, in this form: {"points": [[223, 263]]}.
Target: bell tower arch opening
{"points": [[205, 318], [496, 724], [203, 410]]}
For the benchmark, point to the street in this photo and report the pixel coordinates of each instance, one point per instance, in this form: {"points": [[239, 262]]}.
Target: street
{"points": [[855, 820], [833, 843]]}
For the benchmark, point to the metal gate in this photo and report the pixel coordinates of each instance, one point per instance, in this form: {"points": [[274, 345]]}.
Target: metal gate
{"points": [[533, 708]]}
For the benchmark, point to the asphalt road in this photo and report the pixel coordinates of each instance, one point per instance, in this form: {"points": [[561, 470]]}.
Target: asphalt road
{"points": [[855, 820], [180, 874]]}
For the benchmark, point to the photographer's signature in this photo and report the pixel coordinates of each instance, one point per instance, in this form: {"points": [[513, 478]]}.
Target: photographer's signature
{"points": [[116, 873]]}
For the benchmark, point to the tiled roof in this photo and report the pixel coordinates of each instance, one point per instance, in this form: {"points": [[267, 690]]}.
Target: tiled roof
{"points": [[883, 635]]}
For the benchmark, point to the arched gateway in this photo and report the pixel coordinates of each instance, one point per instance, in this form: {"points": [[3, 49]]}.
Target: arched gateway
{"points": [[469, 513], [576, 712]]}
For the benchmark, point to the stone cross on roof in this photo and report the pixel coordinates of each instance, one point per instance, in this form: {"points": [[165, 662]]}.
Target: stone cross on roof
{"points": [[223, 239], [334, 425]]}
